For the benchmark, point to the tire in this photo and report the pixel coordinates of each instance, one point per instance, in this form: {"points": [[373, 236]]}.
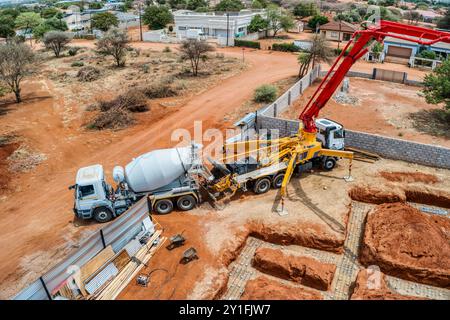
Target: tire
{"points": [[102, 214], [163, 206], [329, 163], [186, 203], [262, 185], [277, 181]]}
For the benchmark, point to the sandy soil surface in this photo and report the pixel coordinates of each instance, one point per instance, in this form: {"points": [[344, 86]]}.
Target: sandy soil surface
{"points": [[407, 243], [263, 288], [40, 198], [381, 107]]}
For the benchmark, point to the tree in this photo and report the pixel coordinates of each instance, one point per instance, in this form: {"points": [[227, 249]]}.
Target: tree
{"points": [[157, 17], [104, 20], [259, 4], [28, 21], [48, 13], [13, 12], [49, 25], [194, 50], [305, 9], [56, 41], [114, 43], [319, 51], [437, 85], [278, 19], [257, 24], [6, 26], [444, 22], [95, 5], [229, 5], [412, 16], [195, 4], [16, 62], [321, 20]]}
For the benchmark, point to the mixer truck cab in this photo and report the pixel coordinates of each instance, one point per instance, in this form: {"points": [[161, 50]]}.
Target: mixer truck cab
{"points": [[93, 195]]}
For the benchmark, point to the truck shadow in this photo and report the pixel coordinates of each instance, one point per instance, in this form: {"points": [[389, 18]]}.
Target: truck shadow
{"points": [[301, 196]]}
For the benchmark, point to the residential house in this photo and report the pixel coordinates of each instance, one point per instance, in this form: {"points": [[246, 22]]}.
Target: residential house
{"points": [[214, 24], [338, 30], [405, 51]]}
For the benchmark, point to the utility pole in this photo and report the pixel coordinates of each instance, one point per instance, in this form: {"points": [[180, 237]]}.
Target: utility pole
{"points": [[228, 26]]}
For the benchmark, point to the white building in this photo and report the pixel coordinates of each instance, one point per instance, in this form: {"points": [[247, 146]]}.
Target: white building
{"points": [[214, 24]]}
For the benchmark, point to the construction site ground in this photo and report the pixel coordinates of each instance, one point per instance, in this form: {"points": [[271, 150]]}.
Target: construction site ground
{"points": [[323, 222], [37, 223]]}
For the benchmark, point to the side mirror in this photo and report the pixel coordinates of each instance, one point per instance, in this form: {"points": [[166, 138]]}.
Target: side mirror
{"points": [[72, 186]]}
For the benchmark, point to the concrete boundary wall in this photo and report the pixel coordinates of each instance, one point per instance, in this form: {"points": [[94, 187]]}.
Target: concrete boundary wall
{"points": [[392, 148]]}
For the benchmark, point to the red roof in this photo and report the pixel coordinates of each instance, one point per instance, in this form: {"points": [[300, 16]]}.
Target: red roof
{"points": [[344, 26]]}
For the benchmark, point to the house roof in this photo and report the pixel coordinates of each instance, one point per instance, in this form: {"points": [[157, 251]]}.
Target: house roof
{"points": [[344, 26]]}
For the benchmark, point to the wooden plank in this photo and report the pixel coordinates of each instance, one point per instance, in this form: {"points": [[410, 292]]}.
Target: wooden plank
{"points": [[121, 260], [95, 263]]}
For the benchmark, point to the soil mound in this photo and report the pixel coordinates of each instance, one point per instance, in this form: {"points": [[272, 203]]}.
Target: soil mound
{"points": [[372, 286], [304, 270], [263, 288], [408, 244]]}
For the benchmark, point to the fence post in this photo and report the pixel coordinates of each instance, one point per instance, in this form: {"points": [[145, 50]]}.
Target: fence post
{"points": [[103, 238], [289, 97], [374, 73], [301, 86], [45, 288], [275, 109]]}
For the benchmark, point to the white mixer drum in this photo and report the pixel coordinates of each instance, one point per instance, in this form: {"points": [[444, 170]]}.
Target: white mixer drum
{"points": [[158, 168]]}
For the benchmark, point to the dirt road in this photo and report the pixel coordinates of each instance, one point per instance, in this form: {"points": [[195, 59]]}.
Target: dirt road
{"points": [[36, 221]]}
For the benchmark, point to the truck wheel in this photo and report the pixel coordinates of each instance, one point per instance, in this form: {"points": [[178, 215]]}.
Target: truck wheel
{"points": [[102, 214], [186, 203], [278, 180], [163, 206], [328, 164], [262, 185]]}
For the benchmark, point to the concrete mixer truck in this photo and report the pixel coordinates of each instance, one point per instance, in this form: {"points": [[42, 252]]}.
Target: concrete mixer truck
{"points": [[168, 177]]}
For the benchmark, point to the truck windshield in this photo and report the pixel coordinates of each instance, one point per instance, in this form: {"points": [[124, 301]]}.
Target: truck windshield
{"points": [[86, 190], [339, 134]]}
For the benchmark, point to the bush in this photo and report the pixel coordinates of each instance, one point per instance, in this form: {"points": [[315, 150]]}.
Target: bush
{"points": [[133, 100], [285, 47], [73, 51], [338, 51], [161, 89], [167, 49], [88, 74], [114, 118], [265, 93], [247, 43], [77, 64]]}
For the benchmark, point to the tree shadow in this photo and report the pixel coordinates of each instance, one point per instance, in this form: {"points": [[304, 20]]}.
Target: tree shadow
{"points": [[10, 104]]}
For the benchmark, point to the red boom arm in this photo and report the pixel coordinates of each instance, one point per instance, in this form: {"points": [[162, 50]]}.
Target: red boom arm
{"points": [[359, 39]]}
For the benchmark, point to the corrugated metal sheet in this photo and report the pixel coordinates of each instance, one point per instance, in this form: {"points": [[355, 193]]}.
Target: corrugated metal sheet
{"points": [[132, 247], [107, 273], [118, 233]]}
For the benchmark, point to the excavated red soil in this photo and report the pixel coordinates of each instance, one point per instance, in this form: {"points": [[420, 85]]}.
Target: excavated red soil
{"points": [[263, 288], [409, 177], [304, 270], [408, 244], [377, 289], [390, 194], [312, 236]]}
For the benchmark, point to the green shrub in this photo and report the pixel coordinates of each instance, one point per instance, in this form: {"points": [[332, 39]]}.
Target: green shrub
{"points": [[338, 51], [73, 51], [285, 47], [247, 43], [265, 93], [77, 64]]}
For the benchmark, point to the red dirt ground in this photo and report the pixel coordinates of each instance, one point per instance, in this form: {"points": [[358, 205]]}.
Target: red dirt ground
{"points": [[304, 270], [408, 244], [263, 288]]}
